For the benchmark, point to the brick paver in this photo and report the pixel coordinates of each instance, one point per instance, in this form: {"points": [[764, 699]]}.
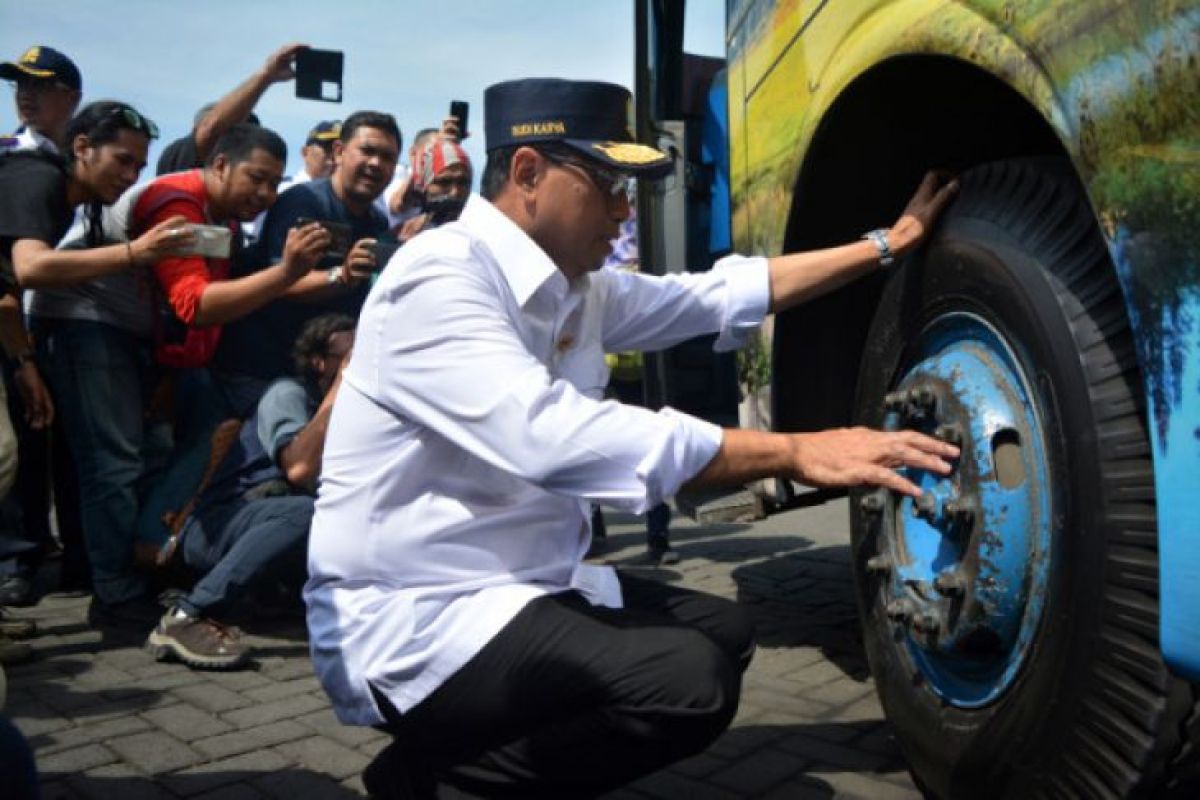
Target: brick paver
{"points": [[106, 721]]}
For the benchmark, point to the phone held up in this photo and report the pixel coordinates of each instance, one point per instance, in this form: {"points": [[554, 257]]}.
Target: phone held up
{"points": [[383, 249], [339, 235], [319, 75], [210, 241], [460, 109]]}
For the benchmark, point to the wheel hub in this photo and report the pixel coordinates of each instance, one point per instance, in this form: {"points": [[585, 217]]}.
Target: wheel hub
{"points": [[962, 570]]}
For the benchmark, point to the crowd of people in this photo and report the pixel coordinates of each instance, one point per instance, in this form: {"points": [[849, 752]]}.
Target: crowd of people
{"points": [[253, 408], [130, 347]]}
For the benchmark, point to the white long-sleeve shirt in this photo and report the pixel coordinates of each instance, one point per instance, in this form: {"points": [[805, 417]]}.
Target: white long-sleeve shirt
{"points": [[466, 444]]}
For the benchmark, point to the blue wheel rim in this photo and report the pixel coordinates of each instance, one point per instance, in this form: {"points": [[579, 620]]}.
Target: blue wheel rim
{"points": [[964, 572]]}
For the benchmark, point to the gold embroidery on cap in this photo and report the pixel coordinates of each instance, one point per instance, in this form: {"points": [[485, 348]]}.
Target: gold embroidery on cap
{"points": [[629, 153], [550, 128], [30, 56]]}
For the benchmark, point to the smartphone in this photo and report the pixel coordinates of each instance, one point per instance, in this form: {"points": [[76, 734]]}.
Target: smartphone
{"points": [[383, 250], [339, 235], [212, 241], [460, 109], [319, 75]]}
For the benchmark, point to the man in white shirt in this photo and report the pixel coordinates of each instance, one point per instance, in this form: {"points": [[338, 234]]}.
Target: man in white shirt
{"points": [[448, 599]]}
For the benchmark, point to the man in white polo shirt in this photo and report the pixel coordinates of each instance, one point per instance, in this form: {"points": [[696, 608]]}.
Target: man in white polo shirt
{"points": [[448, 599]]}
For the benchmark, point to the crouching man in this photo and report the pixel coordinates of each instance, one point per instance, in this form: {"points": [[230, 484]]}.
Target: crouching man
{"points": [[247, 525]]}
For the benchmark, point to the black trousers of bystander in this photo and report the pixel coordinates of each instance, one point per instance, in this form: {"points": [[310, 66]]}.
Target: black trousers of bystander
{"points": [[573, 700]]}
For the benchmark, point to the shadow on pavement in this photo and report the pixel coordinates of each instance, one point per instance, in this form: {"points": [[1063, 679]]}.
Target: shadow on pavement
{"points": [[822, 759], [806, 599], [297, 783]]}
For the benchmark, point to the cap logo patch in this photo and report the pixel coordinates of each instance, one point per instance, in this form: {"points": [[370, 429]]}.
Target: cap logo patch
{"points": [[629, 153], [31, 55], [551, 128]]}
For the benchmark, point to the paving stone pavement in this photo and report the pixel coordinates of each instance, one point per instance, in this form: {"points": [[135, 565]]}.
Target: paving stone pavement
{"points": [[107, 721]]}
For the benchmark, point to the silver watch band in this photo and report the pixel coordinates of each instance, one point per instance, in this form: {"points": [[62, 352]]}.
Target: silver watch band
{"points": [[879, 238]]}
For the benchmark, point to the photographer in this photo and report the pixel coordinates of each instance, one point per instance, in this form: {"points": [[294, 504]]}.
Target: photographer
{"points": [[214, 119], [255, 350], [443, 177], [99, 336]]}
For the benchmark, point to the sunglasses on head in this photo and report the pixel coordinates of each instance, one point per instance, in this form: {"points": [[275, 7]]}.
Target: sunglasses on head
{"points": [[613, 184], [133, 119]]}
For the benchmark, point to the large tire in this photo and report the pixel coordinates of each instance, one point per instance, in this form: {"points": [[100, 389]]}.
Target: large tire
{"points": [[1071, 698]]}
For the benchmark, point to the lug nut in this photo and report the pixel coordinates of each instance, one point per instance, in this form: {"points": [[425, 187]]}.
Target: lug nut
{"points": [[879, 565], [896, 401], [949, 433], [899, 610], [872, 503], [925, 506], [924, 400], [927, 623], [961, 511], [949, 584]]}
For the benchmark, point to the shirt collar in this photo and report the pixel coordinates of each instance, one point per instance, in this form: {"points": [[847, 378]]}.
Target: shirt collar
{"points": [[30, 138], [524, 264]]}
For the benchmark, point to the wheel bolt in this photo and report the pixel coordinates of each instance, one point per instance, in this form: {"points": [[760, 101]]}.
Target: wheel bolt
{"points": [[961, 511], [924, 400], [896, 401], [927, 623], [872, 503], [949, 584], [925, 506], [949, 433], [879, 565], [899, 610]]}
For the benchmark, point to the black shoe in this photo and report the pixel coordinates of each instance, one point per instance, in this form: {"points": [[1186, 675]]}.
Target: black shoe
{"points": [[133, 616], [390, 777], [659, 550], [16, 590]]}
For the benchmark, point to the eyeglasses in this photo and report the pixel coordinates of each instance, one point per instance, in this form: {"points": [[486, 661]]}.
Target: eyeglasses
{"points": [[135, 120], [613, 184]]}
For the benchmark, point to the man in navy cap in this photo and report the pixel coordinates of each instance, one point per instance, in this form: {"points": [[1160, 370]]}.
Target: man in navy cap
{"points": [[448, 599], [48, 90], [317, 154]]}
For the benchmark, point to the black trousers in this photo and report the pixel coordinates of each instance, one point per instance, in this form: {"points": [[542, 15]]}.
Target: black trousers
{"points": [[571, 700]]}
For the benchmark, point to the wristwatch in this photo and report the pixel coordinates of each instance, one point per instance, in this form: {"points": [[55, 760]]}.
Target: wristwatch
{"points": [[879, 238], [334, 275]]}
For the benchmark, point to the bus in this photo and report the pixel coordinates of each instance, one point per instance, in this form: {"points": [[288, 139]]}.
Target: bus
{"points": [[1032, 624]]}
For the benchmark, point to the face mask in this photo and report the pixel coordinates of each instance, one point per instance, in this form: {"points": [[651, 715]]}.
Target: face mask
{"points": [[443, 209]]}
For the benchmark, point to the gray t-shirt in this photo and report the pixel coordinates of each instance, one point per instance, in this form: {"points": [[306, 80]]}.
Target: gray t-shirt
{"points": [[125, 299]]}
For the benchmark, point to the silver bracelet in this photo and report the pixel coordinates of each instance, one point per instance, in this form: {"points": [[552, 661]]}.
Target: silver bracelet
{"points": [[334, 275]]}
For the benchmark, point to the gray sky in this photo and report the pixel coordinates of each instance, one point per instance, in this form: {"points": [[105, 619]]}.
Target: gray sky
{"points": [[167, 57]]}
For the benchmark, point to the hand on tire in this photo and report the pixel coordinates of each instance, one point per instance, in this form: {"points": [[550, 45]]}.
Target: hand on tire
{"points": [[846, 457], [916, 221]]}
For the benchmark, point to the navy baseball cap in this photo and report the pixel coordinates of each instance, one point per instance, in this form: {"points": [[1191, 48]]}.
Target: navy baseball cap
{"points": [[326, 131], [588, 116], [40, 61]]}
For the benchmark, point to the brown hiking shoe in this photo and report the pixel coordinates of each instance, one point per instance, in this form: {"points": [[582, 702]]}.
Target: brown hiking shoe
{"points": [[199, 642]]}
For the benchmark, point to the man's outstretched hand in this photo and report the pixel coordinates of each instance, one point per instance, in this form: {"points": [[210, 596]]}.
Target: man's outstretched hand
{"points": [[848, 457]]}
